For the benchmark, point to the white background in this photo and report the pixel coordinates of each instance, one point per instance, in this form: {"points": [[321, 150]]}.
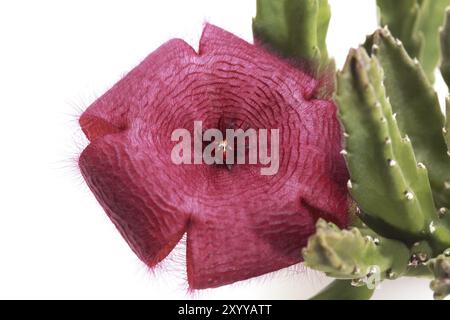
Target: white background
{"points": [[55, 58]]}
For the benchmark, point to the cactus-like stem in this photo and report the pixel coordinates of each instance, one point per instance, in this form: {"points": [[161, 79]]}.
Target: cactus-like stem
{"points": [[402, 17], [446, 131], [416, 23], [421, 271], [430, 21], [417, 110], [421, 253], [440, 267], [354, 253], [388, 184], [295, 29], [344, 290], [445, 49], [445, 71]]}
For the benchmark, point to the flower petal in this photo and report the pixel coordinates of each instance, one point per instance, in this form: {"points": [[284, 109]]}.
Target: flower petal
{"points": [[243, 239], [218, 43], [137, 192], [127, 99]]}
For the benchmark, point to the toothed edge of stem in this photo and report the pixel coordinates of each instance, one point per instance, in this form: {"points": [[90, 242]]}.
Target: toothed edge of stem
{"points": [[388, 184]]}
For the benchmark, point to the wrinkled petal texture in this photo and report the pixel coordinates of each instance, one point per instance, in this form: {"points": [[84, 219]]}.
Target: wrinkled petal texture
{"points": [[239, 224]]}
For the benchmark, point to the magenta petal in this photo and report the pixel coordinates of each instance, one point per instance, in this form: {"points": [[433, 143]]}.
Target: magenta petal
{"points": [[144, 86], [139, 196], [222, 45], [239, 223], [242, 238]]}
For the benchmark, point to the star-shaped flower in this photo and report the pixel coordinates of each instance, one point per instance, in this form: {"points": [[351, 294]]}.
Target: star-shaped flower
{"points": [[239, 223]]}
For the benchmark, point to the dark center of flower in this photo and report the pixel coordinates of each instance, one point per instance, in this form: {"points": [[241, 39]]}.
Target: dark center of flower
{"points": [[226, 149]]}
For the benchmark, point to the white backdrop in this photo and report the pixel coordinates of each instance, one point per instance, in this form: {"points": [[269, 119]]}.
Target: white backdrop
{"points": [[55, 58]]}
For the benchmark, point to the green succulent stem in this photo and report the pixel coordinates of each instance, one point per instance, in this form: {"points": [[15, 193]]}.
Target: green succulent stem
{"points": [[296, 29], [440, 267], [416, 23], [421, 271], [445, 71], [446, 131], [397, 150], [353, 254], [391, 188], [344, 290], [445, 49], [416, 105], [402, 18]]}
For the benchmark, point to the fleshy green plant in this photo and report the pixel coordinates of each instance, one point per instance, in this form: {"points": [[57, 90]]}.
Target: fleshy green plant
{"points": [[397, 142], [295, 28]]}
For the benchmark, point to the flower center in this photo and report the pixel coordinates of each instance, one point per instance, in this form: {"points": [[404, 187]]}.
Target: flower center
{"points": [[223, 149], [223, 146]]}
